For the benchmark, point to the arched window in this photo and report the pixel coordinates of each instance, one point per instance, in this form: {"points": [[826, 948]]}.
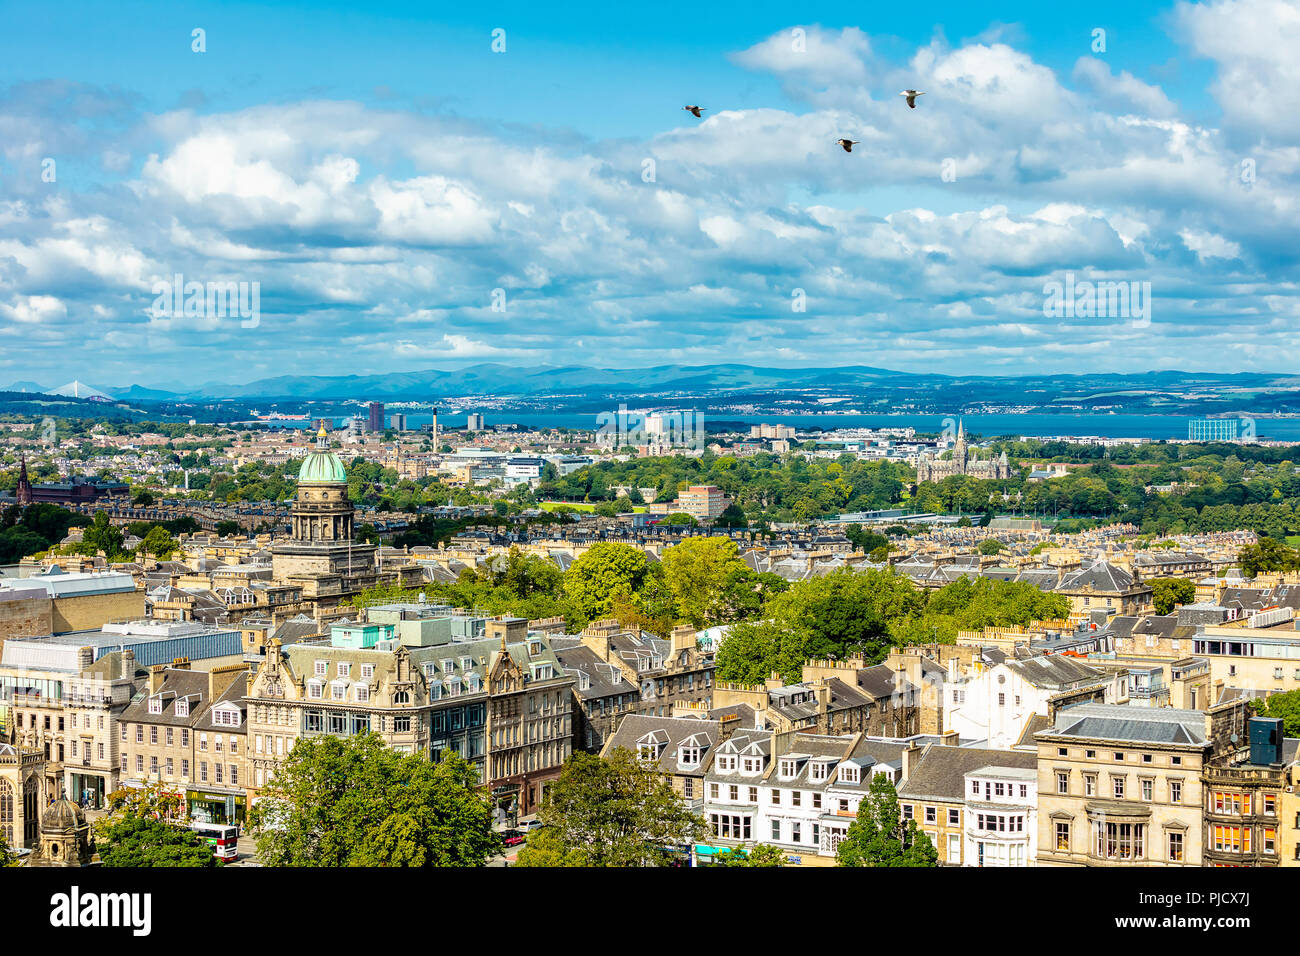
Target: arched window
{"points": [[7, 812]]}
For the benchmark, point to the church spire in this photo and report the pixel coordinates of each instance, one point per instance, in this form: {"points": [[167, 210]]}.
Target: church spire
{"points": [[24, 490]]}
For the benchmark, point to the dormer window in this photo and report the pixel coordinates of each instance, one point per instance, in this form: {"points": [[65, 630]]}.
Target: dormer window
{"points": [[689, 756], [818, 771], [367, 671], [651, 747], [344, 668], [226, 717], [155, 705], [360, 693], [322, 668], [314, 688], [448, 665], [727, 764], [542, 672], [789, 769], [182, 707], [850, 774], [751, 765]]}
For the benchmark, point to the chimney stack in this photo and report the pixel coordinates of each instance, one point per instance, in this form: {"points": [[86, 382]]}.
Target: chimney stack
{"points": [[911, 755]]}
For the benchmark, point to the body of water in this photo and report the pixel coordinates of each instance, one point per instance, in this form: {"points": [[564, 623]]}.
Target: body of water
{"points": [[987, 426]]}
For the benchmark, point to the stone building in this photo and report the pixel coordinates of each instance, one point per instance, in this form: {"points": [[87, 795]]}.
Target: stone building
{"points": [[530, 718], [1101, 586], [618, 671], [22, 788], [1122, 786], [187, 732], [321, 563], [964, 461]]}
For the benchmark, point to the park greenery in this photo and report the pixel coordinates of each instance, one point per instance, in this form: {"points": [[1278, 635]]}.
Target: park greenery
{"points": [[881, 837], [610, 811], [1160, 487], [864, 613], [354, 802], [33, 529]]}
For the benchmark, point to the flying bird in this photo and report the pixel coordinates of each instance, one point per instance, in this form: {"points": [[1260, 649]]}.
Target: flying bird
{"points": [[911, 96], [695, 110], [848, 144]]}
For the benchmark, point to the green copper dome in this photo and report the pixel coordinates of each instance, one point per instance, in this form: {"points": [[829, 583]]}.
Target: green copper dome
{"points": [[323, 467]]}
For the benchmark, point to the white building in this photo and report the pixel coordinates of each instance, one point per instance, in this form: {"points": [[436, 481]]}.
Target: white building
{"points": [[997, 704], [801, 801], [1001, 817]]}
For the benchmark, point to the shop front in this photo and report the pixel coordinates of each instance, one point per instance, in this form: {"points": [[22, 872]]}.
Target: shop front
{"points": [[87, 790], [215, 806]]}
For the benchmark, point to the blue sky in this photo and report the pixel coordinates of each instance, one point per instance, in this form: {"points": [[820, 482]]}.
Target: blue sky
{"points": [[381, 173]]}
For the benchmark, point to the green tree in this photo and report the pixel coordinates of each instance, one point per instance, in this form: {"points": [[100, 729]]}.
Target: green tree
{"points": [[844, 613], [863, 540], [146, 826], [103, 536], [605, 571], [227, 528], [763, 854], [880, 837], [989, 546], [1169, 593], [1286, 706], [159, 543], [1266, 556], [354, 802], [754, 650], [134, 841], [610, 811], [704, 575]]}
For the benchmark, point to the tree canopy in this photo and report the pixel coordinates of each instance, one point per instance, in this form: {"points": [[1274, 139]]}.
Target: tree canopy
{"points": [[880, 837], [1169, 593], [351, 801], [612, 811]]}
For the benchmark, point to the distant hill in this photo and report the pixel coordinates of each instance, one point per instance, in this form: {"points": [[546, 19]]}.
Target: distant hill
{"points": [[492, 378]]}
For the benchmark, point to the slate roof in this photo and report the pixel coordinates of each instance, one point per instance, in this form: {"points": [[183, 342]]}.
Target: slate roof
{"points": [[1055, 671], [672, 732], [1132, 725], [1098, 576], [940, 772], [601, 679]]}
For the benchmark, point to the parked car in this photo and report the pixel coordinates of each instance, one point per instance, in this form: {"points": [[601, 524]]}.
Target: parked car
{"points": [[512, 837]]}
